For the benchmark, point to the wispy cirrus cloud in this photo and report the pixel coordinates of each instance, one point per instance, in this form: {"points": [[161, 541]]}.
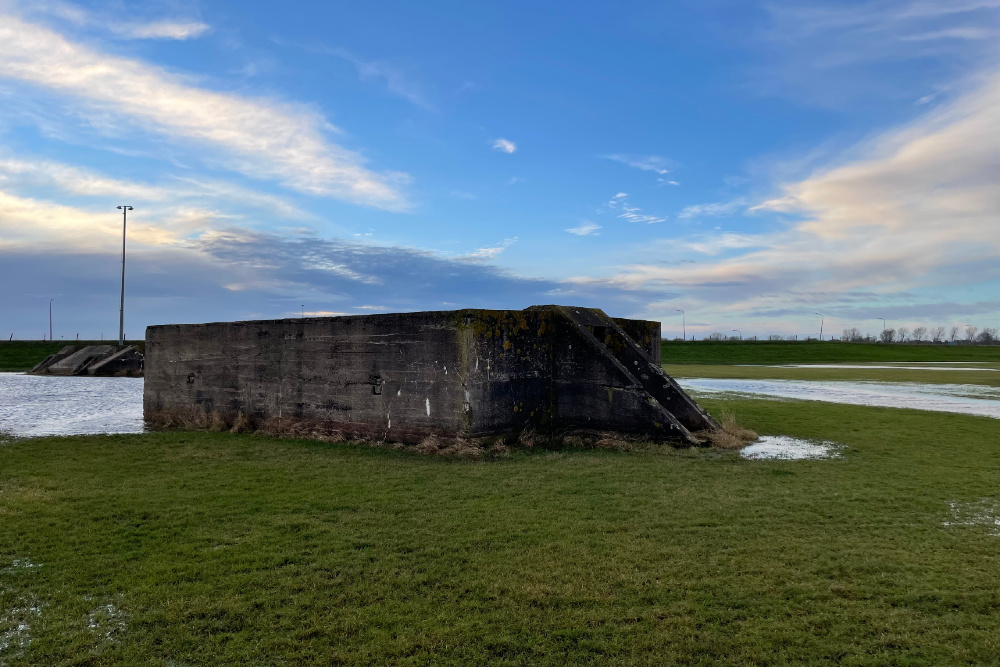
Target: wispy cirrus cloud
{"points": [[390, 74], [159, 28], [623, 209], [714, 209], [179, 30], [914, 209], [261, 138], [21, 173], [586, 228], [654, 163]]}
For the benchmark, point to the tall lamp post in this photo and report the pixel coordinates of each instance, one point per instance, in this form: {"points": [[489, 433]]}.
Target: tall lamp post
{"points": [[121, 309], [684, 325], [739, 332], [820, 325], [883, 323], [50, 318]]}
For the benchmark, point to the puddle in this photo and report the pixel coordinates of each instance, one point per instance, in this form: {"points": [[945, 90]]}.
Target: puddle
{"points": [[32, 405], [984, 513], [785, 448], [969, 399]]}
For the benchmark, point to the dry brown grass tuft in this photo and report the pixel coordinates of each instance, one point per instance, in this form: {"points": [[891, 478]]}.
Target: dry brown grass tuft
{"points": [[732, 436]]}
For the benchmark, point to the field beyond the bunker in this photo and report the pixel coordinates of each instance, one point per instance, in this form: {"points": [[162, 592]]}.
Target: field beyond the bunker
{"points": [[208, 548]]}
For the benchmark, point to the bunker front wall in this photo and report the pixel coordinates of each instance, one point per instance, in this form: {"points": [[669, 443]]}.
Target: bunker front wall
{"points": [[400, 377]]}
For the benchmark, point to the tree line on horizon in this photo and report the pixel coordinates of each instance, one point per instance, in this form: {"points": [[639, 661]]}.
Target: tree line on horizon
{"points": [[970, 334]]}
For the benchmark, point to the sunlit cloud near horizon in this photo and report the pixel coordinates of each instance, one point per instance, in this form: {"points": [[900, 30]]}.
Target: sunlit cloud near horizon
{"points": [[276, 172]]}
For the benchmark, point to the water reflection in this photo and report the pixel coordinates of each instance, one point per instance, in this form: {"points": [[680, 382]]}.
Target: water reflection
{"points": [[969, 399], [33, 405]]}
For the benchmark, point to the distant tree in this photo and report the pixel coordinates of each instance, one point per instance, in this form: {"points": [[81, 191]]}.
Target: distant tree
{"points": [[970, 333], [887, 335], [988, 336], [716, 336], [919, 333], [852, 335], [953, 334], [902, 333], [937, 334]]}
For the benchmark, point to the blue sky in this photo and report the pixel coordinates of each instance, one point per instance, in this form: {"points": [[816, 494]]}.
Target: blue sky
{"points": [[750, 163]]}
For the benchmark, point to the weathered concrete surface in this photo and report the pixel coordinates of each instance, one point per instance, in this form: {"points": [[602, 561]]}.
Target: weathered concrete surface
{"points": [[53, 358], [99, 360], [127, 362], [77, 362], [406, 376]]}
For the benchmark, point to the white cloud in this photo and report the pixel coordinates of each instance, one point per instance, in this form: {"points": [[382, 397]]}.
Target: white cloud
{"points": [[620, 195], [713, 245], [77, 181], [179, 30], [917, 210], [588, 228], [653, 163], [717, 209], [260, 138], [389, 74], [489, 252], [504, 146]]}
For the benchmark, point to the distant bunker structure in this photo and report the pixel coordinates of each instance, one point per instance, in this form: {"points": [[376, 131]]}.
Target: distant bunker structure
{"points": [[402, 377]]}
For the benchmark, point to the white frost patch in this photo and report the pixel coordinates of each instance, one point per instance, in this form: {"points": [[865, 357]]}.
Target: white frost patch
{"points": [[106, 621], [21, 564], [428, 407], [784, 448], [15, 628], [984, 512]]}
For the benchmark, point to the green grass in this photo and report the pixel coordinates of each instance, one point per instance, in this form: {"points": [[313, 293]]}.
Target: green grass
{"points": [[816, 352], [223, 549], [22, 355], [985, 377]]}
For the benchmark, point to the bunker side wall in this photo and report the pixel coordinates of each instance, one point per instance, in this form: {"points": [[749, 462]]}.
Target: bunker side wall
{"points": [[390, 376]]}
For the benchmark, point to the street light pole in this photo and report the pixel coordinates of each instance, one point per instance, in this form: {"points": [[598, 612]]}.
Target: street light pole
{"points": [[684, 325], [50, 318], [121, 308], [739, 332], [883, 323], [820, 325]]}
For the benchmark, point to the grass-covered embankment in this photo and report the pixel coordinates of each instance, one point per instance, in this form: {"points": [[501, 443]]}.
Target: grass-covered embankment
{"points": [[989, 376], [22, 355], [816, 352], [208, 549]]}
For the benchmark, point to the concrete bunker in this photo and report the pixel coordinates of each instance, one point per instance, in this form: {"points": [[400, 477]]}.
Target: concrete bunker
{"points": [[405, 376]]}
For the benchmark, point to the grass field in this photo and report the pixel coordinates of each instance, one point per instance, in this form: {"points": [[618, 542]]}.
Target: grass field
{"points": [[22, 355], [816, 352], [208, 549], [748, 372]]}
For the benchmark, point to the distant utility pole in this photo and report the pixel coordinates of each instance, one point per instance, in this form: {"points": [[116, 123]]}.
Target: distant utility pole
{"points": [[739, 332], [50, 318], [121, 309], [820, 325], [683, 323], [883, 322], [303, 311]]}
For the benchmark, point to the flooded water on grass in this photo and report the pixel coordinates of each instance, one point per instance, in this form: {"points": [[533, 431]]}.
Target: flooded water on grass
{"points": [[33, 405], [968, 399], [785, 448]]}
